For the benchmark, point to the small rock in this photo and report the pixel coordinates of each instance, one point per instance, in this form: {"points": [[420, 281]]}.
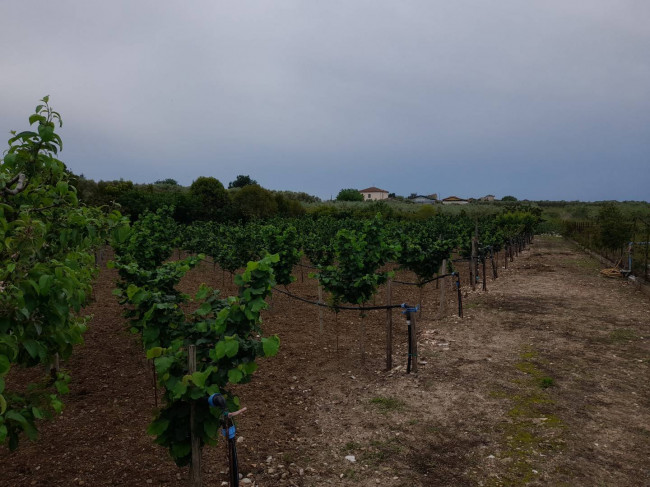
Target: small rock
{"points": [[240, 439], [271, 470], [246, 481], [351, 458], [268, 459], [150, 481]]}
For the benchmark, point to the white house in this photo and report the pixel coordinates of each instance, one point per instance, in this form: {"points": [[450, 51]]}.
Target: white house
{"points": [[374, 194]]}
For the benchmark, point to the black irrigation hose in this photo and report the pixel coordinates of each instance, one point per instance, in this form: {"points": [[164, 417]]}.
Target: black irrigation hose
{"points": [[234, 463], [352, 308], [308, 266], [425, 282]]}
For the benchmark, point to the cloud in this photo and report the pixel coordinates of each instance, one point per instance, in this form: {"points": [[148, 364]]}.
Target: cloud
{"points": [[413, 96]]}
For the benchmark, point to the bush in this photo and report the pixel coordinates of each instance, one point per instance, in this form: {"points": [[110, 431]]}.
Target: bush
{"points": [[349, 194]]}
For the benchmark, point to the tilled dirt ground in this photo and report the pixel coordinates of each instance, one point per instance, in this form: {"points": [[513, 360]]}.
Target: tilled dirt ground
{"points": [[544, 381]]}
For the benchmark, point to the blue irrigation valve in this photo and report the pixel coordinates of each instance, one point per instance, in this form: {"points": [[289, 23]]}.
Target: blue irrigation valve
{"points": [[217, 401], [409, 309], [231, 432]]}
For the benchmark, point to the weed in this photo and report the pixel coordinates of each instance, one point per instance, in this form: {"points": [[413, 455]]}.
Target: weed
{"points": [[622, 335], [531, 427], [350, 474], [351, 446], [379, 451], [546, 382], [387, 404]]}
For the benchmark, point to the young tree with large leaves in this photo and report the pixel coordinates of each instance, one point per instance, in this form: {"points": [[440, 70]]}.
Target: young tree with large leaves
{"points": [[47, 265]]}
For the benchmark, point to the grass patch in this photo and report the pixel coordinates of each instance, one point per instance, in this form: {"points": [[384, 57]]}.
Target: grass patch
{"points": [[622, 335], [586, 263], [546, 382], [350, 446], [387, 404], [531, 426], [380, 451], [350, 474]]}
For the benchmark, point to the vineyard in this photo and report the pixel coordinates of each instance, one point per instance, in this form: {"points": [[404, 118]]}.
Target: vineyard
{"points": [[455, 350]]}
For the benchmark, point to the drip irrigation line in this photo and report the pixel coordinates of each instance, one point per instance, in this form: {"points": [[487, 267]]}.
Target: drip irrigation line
{"points": [[425, 282], [307, 266], [351, 308]]}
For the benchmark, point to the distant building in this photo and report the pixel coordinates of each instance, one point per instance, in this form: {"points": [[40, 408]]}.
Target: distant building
{"points": [[428, 200], [489, 197], [374, 194], [454, 200]]}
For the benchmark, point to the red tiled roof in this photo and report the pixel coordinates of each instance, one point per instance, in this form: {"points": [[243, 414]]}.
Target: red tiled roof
{"points": [[454, 198], [372, 190]]}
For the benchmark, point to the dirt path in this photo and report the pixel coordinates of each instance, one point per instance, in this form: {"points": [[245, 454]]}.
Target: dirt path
{"points": [[543, 382]]}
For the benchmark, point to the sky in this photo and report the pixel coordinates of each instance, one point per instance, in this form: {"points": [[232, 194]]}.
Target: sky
{"points": [[539, 99]]}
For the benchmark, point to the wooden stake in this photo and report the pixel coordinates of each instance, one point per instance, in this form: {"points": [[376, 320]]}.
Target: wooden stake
{"points": [[195, 465], [473, 264], [320, 309], [54, 366], [154, 380], [483, 276], [443, 269], [363, 338], [414, 344], [389, 327]]}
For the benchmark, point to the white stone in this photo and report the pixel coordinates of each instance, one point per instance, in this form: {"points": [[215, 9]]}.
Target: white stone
{"points": [[351, 458]]}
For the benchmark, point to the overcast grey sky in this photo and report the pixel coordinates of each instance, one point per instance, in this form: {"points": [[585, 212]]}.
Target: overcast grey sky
{"points": [[540, 99]]}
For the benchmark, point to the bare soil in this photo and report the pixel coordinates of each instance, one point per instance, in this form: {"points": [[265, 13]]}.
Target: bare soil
{"points": [[544, 381]]}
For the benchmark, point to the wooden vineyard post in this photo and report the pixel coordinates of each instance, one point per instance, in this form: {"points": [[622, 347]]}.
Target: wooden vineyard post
{"points": [[389, 327], [476, 240], [363, 338], [154, 381], [443, 268], [54, 366], [472, 265], [645, 265], [320, 308], [195, 465], [484, 278], [414, 344]]}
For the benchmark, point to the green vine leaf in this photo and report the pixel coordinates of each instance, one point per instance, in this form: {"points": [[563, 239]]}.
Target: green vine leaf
{"points": [[235, 376], [271, 346]]}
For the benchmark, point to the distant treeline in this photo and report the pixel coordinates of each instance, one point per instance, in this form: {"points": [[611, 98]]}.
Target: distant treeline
{"points": [[206, 199]]}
